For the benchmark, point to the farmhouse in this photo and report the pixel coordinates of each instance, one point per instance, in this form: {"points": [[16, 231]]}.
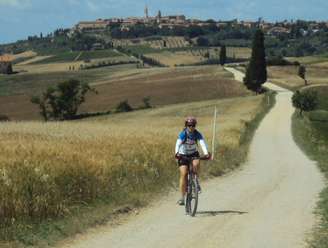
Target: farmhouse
{"points": [[278, 31], [5, 65], [98, 24]]}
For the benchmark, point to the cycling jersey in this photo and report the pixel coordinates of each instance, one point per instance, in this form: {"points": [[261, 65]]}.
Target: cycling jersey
{"points": [[187, 143]]}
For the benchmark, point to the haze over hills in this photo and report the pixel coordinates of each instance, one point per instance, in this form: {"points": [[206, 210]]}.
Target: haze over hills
{"points": [[21, 18]]}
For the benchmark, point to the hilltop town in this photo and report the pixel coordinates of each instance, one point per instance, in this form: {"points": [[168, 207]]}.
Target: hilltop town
{"points": [[181, 21], [142, 37]]}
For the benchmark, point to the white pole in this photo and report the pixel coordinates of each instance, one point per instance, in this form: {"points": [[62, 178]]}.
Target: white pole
{"points": [[214, 133]]}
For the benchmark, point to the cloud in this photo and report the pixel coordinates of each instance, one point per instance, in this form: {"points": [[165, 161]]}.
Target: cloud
{"points": [[94, 7], [15, 3], [73, 2]]}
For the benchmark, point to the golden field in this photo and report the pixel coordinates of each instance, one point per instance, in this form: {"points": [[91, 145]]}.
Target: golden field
{"points": [[48, 169], [176, 58], [190, 57], [287, 76], [118, 83]]}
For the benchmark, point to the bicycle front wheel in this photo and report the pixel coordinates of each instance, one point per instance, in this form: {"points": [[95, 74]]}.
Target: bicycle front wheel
{"points": [[192, 198]]}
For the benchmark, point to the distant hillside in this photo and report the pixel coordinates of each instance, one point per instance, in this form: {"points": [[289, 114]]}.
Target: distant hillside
{"points": [[299, 38]]}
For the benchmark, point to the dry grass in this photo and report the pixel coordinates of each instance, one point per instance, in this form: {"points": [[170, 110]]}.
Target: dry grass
{"points": [[176, 58], [171, 42], [29, 66], [163, 85], [35, 59], [309, 60], [239, 52], [48, 168], [46, 68], [26, 54], [288, 75], [166, 86], [190, 57]]}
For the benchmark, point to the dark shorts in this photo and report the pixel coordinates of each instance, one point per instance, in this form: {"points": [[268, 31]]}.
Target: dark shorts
{"points": [[187, 159]]}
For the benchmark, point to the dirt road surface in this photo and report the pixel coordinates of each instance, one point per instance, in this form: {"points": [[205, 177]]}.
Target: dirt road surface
{"points": [[268, 202]]}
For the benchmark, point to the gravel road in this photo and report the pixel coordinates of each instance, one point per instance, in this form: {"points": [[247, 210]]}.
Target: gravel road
{"points": [[268, 202]]}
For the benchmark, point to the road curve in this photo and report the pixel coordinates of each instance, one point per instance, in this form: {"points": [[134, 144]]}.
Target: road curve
{"points": [[267, 203]]}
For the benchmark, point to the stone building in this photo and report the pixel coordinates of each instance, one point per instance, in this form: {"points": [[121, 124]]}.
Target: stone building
{"points": [[5, 65], [99, 24]]}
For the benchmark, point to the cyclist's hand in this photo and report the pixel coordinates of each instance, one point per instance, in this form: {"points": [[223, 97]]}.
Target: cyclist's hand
{"points": [[177, 156], [208, 156]]}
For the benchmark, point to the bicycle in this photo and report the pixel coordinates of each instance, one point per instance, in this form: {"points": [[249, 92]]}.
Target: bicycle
{"points": [[191, 197]]}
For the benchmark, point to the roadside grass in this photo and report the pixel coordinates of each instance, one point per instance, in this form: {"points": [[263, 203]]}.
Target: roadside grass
{"points": [[57, 179], [312, 137]]}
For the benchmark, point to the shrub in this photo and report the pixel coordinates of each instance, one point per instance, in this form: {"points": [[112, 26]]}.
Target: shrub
{"points": [[123, 106], [202, 41], [4, 118], [146, 101], [305, 101], [278, 60], [62, 102]]}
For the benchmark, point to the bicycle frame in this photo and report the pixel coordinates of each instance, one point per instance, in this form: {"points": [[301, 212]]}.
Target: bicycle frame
{"points": [[191, 197], [191, 200]]}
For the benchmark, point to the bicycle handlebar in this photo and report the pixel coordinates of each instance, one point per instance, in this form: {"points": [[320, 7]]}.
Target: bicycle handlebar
{"points": [[205, 158], [202, 158]]}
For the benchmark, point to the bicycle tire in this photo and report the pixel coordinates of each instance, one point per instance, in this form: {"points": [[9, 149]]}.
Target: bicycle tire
{"points": [[188, 196], [191, 197], [194, 197]]}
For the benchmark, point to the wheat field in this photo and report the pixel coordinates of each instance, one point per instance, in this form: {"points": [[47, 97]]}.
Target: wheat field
{"points": [[287, 76], [47, 168]]}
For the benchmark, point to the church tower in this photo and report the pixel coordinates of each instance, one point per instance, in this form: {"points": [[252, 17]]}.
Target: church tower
{"points": [[146, 12], [159, 17]]}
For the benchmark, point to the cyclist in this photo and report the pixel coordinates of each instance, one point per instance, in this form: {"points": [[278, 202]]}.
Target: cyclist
{"points": [[186, 151]]}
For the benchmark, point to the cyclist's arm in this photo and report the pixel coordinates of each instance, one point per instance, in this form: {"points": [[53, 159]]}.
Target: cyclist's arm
{"points": [[178, 145], [203, 146]]}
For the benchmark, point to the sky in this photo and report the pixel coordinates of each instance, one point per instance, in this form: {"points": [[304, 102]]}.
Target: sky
{"points": [[21, 18]]}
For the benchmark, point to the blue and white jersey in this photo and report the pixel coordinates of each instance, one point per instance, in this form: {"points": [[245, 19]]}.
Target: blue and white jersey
{"points": [[187, 143]]}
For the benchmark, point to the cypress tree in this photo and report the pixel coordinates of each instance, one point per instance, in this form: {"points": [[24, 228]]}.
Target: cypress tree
{"points": [[256, 73], [223, 55], [301, 73]]}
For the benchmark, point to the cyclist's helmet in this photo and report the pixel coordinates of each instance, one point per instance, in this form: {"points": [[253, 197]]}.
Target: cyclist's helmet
{"points": [[191, 121]]}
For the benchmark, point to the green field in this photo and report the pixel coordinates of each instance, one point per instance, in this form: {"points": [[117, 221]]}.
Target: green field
{"points": [[34, 83], [144, 49], [71, 56]]}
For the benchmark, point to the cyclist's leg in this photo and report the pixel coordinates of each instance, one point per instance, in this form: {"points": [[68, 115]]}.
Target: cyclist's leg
{"points": [[196, 169], [183, 176], [196, 166]]}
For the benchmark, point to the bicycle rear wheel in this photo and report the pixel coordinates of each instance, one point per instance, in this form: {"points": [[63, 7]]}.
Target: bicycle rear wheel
{"points": [[192, 197]]}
